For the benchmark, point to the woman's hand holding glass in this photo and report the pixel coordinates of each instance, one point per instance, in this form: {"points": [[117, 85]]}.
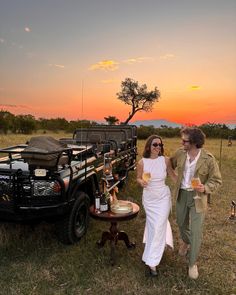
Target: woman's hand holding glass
{"points": [[146, 178]]}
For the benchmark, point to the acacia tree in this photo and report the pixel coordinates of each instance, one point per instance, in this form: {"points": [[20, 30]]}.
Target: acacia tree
{"points": [[138, 97], [111, 120]]}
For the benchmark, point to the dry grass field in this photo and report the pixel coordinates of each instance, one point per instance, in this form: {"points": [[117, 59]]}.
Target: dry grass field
{"points": [[32, 261]]}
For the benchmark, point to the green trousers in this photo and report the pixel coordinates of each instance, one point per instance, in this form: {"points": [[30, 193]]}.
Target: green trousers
{"points": [[190, 223]]}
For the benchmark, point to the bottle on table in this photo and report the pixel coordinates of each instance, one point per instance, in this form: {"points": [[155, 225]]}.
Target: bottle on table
{"points": [[104, 203], [97, 201]]}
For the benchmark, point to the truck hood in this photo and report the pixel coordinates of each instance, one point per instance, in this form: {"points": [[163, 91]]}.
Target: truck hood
{"points": [[15, 165]]}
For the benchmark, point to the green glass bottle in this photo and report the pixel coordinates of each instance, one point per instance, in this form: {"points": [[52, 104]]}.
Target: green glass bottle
{"points": [[104, 203]]}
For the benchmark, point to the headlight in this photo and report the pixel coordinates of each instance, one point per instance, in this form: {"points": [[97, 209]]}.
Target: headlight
{"points": [[46, 188]]}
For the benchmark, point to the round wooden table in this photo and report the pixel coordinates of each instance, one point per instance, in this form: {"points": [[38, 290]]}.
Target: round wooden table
{"points": [[114, 234]]}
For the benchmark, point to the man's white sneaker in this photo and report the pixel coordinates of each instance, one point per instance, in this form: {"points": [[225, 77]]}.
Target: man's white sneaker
{"points": [[193, 272]]}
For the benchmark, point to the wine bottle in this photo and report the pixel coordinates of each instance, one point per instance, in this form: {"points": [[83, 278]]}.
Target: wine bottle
{"points": [[103, 203], [97, 201]]}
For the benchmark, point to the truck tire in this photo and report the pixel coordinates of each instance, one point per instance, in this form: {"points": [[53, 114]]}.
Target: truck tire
{"points": [[74, 225]]}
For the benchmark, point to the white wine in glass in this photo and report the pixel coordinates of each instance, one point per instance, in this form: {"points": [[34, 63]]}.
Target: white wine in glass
{"points": [[146, 176], [195, 181]]}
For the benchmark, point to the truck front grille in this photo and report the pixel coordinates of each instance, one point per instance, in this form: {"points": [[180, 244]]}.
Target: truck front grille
{"points": [[23, 191], [6, 193]]}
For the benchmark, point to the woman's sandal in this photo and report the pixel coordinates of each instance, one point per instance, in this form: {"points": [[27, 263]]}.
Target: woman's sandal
{"points": [[152, 272]]}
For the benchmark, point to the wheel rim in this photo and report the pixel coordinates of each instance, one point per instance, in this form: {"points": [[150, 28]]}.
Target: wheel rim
{"points": [[80, 221]]}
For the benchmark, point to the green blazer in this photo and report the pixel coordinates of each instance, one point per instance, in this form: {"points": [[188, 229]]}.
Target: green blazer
{"points": [[206, 169]]}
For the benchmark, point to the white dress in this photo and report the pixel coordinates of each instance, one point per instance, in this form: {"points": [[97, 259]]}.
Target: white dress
{"points": [[157, 204]]}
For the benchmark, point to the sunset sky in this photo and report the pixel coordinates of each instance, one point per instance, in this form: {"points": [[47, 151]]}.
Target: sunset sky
{"points": [[67, 58]]}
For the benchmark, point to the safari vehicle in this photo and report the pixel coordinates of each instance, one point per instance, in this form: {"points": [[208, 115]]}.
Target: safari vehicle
{"points": [[56, 180]]}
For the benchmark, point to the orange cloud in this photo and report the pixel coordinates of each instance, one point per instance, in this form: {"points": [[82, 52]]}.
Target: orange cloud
{"points": [[195, 87], [14, 106], [105, 65], [111, 65], [57, 66], [137, 60], [167, 56]]}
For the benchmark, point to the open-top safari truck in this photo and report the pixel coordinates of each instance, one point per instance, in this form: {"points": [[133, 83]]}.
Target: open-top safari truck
{"points": [[56, 180]]}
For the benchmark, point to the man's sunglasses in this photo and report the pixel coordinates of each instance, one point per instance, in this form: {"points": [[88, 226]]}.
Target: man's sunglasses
{"points": [[184, 141], [157, 144]]}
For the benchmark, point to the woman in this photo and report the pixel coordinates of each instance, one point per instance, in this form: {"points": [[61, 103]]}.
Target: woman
{"points": [[156, 201]]}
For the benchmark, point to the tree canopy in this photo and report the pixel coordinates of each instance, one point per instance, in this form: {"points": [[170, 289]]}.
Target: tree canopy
{"points": [[137, 96], [111, 120]]}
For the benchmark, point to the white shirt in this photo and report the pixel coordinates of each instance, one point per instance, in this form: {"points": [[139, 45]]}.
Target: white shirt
{"points": [[189, 171]]}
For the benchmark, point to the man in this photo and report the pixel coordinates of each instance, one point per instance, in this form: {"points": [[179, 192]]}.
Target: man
{"points": [[193, 161]]}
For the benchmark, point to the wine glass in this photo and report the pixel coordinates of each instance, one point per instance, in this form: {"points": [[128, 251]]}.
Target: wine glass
{"points": [[146, 176], [195, 181]]}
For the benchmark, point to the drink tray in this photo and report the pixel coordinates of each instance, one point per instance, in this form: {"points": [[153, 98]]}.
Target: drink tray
{"points": [[120, 207]]}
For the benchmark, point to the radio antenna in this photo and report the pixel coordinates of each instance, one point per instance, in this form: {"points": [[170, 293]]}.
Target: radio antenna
{"points": [[81, 127], [82, 100]]}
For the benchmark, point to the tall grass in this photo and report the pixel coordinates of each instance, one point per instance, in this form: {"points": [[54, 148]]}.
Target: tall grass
{"points": [[32, 261]]}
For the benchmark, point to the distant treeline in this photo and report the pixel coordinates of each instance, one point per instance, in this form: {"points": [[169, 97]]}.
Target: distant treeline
{"points": [[211, 130], [27, 124]]}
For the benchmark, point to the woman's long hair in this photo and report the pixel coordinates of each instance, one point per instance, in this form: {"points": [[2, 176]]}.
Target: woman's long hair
{"points": [[147, 148]]}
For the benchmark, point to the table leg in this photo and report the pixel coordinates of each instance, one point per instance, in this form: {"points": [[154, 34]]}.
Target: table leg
{"points": [[113, 236], [124, 237], [106, 235], [113, 254]]}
